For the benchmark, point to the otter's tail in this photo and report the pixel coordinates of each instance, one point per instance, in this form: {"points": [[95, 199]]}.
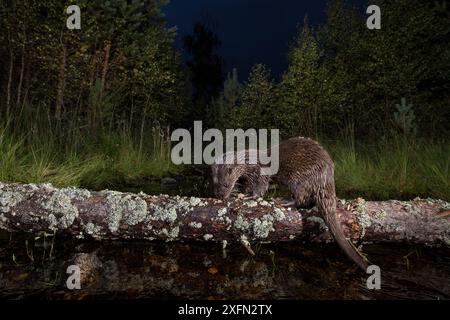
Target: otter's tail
{"points": [[326, 203]]}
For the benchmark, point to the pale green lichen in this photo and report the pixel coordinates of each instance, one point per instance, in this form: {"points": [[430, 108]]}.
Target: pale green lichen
{"points": [[381, 214], [221, 212], [168, 213], [222, 217], [48, 187], [135, 210], [195, 225], [279, 214], [264, 203], [9, 199], [240, 223], [92, 229], [208, 236], [251, 204], [52, 222], [76, 193], [194, 201], [170, 235], [32, 186], [3, 221], [262, 227], [173, 234], [442, 203], [129, 208], [182, 204], [228, 221], [364, 219], [62, 212]]}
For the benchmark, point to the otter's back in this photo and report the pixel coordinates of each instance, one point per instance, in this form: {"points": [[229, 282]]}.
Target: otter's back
{"points": [[302, 159]]}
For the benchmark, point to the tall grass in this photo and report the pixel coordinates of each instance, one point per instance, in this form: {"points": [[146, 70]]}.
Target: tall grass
{"points": [[37, 150], [392, 169]]}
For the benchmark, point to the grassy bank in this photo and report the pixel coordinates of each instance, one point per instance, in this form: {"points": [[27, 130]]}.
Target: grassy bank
{"points": [[392, 169], [90, 159], [388, 169]]}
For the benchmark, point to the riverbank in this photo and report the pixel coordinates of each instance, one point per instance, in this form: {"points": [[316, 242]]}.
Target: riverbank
{"points": [[385, 169]]}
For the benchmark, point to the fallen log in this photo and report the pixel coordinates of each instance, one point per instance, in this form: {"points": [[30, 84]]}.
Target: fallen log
{"points": [[115, 215]]}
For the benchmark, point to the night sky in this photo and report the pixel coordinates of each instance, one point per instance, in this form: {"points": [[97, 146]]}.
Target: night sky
{"points": [[251, 31]]}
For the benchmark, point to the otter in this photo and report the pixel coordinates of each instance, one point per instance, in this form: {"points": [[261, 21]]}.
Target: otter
{"points": [[306, 169], [225, 175]]}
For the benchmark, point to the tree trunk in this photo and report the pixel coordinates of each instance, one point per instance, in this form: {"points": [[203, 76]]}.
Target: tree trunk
{"points": [[115, 215], [92, 89], [22, 68], [105, 64], [8, 88], [61, 83]]}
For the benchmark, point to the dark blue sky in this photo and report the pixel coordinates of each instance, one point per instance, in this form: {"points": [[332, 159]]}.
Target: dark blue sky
{"points": [[251, 31]]}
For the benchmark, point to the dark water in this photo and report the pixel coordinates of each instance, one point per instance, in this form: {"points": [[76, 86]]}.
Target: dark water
{"points": [[31, 269], [36, 268]]}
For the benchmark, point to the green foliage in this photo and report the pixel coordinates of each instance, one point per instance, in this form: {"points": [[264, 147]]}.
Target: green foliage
{"points": [[123, 46], [258, 100], [373, 69], [223, 108], [301, 87]]}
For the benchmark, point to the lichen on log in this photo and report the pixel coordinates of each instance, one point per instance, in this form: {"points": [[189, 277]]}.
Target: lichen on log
{"points": [[116, 215]]}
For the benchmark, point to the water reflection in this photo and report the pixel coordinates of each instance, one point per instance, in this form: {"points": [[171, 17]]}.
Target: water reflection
{"points": [[37, 268]]}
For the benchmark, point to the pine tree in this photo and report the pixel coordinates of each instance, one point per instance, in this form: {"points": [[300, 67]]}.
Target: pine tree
{"points": [[300, 85], [224, 107], [259, 98], [205, 68]]}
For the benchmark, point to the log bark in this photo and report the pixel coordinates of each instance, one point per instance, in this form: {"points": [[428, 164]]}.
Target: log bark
{"points": [[114, 215]]}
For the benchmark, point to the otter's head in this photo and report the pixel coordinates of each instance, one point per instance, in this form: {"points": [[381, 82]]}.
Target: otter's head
{"points": [[224, 178]]}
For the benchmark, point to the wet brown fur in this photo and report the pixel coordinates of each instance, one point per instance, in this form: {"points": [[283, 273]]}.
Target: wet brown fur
{"points": [[307, 170]]}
